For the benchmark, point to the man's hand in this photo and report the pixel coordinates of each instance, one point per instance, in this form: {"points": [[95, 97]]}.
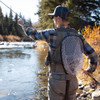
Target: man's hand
{"points": [[94, 82], [21, 22]]}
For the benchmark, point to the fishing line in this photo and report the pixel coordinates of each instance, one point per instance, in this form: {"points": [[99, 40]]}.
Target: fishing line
{"points": [[9, 8], [15, 13]]}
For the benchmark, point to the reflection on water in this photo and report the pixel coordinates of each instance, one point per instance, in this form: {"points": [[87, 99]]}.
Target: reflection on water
{"points": [[23, 74], [13, 54], [18, 78]]}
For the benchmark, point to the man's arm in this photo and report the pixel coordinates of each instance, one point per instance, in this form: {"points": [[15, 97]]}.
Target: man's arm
{"points": [[92, 56], [39, 35], [34, 34]]}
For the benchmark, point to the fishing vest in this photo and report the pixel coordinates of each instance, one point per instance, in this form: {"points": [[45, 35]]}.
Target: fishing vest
{"points": [[54, 54]]}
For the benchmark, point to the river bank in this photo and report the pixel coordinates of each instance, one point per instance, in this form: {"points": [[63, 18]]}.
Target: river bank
{"points": [[10, 45], [29, 58], [84, 92]]}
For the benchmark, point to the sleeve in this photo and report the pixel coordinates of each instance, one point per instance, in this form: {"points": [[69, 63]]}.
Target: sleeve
{"points": [[38, 35], [92, 56]]}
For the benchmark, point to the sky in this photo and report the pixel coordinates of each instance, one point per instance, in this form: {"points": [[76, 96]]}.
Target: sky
{"points": [[27, 8]]}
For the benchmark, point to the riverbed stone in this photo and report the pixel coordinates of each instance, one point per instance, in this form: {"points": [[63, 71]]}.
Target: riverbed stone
{"points": [[81, 87], [77, 95], [87, 88], [96, 95], [80, 83]]}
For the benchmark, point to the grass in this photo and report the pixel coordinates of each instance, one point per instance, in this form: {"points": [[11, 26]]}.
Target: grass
{"points": [[92, 36], [10, 38], [1, 38]]}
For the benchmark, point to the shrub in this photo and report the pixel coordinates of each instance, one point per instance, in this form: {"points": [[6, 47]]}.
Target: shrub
{"points": [[12, 38], [92, 36], [1, 38]]}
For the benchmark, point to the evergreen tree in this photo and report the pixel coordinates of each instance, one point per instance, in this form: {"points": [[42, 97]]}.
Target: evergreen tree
{"points": [[47, 6], [82, 12], [5, 25], [9, 26], [1, 14], [10, 22], [29, 22], [1, 28], [13, 30], [16, 25], [18, 30], [1, 21], [6, 31], [88, 9]]}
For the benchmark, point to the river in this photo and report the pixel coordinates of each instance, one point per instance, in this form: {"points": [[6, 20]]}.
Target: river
{"points": [[22, 75]]}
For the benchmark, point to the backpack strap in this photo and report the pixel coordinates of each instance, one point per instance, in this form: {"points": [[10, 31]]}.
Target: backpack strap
{"points": [[61, 56]]}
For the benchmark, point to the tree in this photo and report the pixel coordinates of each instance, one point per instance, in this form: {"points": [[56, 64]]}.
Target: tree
{"points": [[1, 21], [47, 6], [83, 12], [16, 25], [88, 9], [10, 22], [86, 12], [29, 22], [1, 28], [5, 25], [9, 25]]}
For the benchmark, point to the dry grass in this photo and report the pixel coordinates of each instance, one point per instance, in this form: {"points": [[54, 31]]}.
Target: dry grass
{"points": [[42, 47], [12, 38], [92, 36], [9, 38], [1, 38]]}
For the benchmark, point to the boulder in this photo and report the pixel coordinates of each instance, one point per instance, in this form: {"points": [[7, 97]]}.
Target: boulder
{"points": [[81, 87], [96, 95], [87, 88]]}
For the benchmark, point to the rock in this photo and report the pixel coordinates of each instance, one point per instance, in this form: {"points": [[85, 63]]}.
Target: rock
{"points": [[96, 95], [81, 87], [89, 97], [87, 88], [77, 95], [43, 89], [79, 98], [80, 83], [83, 95]]}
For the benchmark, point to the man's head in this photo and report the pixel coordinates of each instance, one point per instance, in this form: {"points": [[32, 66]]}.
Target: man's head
{"points": [[61, 15]]}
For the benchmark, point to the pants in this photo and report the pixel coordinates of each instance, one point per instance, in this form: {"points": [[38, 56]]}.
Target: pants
{"points": [[57, 89]]}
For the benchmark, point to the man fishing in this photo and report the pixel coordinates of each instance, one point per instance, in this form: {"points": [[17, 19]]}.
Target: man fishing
{"points": [[62, 83]]}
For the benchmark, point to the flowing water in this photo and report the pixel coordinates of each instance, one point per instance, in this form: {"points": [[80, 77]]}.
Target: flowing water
{"points": [[20, 75]]}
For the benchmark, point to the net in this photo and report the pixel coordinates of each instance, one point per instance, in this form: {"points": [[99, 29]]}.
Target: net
{"points": [[72, 54]]}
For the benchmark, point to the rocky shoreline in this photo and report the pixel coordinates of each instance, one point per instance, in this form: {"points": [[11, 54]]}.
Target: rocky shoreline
{"points": [[85, 92]]}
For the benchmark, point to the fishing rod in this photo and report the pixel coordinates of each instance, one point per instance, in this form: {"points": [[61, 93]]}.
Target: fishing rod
{"points": [[16, 14], [10, 9], [92, 84]]}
